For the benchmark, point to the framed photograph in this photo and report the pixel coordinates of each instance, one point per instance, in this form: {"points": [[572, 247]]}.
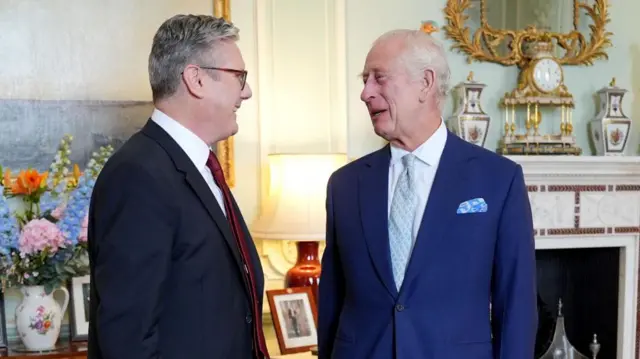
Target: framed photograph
{"points": [[294, 315], [79, 308], [3, 323]]}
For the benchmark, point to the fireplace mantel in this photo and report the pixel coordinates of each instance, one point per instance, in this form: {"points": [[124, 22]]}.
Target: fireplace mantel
{"points": [[615, 168], [589, 201]]}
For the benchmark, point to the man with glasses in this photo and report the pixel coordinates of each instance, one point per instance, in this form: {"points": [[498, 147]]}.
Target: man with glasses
{"points": [[174, 271]]}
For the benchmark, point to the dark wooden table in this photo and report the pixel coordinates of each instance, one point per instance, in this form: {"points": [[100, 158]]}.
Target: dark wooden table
{"points": [[76, 350]]}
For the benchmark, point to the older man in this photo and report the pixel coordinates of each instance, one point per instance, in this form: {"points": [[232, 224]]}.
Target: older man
{"points": [[174, 272], [425, 233]]}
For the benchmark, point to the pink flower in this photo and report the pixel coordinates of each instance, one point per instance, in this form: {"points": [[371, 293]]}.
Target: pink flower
{"points": [[40, 234], [59, 211], [83, 230]]}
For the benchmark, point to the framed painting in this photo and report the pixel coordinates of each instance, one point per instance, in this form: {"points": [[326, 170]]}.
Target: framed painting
{"points": [[3, 322], [60, 82], [294, 315], [79, 308]]}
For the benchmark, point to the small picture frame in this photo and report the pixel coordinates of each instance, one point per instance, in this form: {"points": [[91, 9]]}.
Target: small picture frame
{"points": [[294, 315], [3, 323], [79, 308]]}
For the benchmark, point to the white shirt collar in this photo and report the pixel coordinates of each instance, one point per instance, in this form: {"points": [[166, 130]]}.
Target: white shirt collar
{"points": [[195, 148], [429, 152]]}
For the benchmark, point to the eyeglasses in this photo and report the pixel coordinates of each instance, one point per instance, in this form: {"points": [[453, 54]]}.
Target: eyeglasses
{"points": [[240, 74]]}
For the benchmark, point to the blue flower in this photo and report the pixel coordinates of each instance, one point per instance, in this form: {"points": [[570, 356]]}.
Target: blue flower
{"points": [[77, 207], [51, 199], [9, 228]]}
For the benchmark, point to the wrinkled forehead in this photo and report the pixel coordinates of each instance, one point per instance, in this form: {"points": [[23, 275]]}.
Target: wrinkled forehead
{"points": [[383, 57]]}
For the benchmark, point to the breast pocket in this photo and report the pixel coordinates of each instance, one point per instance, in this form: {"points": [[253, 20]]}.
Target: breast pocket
{"points": [[474, 222]]}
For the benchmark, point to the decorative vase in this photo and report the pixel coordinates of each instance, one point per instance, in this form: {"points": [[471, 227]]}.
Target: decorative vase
{"points": [[306, 272], [39, 316], [611, 127], [469, 121]]}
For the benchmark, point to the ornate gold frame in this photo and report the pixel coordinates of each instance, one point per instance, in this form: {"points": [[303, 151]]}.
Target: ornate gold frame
{"points": [[225, 149], [483, 44]]}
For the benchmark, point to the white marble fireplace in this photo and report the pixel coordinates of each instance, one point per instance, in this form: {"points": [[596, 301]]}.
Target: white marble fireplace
{"points": [[592, 202]]}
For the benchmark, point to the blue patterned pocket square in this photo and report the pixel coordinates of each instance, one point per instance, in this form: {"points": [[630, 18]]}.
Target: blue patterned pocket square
{"points": [[476, 205]]}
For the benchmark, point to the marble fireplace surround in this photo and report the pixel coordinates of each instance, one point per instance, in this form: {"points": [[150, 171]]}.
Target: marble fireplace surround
{"points": [[590, 202], [577, 202]]}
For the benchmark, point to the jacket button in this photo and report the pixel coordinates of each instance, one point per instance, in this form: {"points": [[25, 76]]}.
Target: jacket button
{"points": [[248, 319], [399, 307]]}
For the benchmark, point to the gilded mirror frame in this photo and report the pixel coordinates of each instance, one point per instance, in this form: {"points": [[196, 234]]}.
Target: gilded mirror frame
{"points": [[225, 149], [483, 44]]}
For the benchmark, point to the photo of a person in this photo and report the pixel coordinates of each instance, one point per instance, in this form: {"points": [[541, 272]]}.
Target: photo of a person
{"points": [[297, 324], [293, 311]]}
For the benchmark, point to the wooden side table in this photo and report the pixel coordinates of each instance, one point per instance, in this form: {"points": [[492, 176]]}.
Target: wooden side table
{"points": [[76, 350]]}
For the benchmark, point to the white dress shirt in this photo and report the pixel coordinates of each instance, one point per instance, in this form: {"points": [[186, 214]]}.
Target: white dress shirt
{"points": [[428, 157], [195, 148]]}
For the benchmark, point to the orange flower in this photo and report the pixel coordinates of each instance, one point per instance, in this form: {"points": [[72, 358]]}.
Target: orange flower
{"points": [[46, 324], [28, 182], [429, 27], [76, 172]]}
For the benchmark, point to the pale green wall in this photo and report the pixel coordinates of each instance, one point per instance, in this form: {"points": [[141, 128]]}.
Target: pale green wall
{"points": [[367, 19]]}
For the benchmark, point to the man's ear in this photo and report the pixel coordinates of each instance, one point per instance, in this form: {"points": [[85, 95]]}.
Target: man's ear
{"points": [[428, 83], [192, 78]]}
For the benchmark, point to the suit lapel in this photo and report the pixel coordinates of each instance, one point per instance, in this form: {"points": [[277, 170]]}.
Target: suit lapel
{"points": [[441, 206], [196, 182], [374, 193]]}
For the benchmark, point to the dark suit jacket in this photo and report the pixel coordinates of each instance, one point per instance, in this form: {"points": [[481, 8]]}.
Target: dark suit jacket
{"points": [[166, 280], [459, 264]]}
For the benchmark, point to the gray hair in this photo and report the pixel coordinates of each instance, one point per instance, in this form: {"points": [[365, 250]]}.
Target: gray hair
{"points": [[180, 40], [423, 52]]}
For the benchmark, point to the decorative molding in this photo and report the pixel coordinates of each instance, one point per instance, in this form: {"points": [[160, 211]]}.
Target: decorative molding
{"points": [[225, 149], [586, 168]]}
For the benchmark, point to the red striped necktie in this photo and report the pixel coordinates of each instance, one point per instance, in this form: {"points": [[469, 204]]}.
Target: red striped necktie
{"points": [[260, 345]]}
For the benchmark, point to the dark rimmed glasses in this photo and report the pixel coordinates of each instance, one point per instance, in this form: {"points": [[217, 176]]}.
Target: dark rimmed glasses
{"points": [[240, 74]]}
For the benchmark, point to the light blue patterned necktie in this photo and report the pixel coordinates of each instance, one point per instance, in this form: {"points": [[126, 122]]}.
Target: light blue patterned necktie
{"points": [[401, 216]]}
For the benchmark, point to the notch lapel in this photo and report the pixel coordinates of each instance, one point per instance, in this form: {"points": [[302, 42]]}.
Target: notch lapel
{"points": [[197, 183], [441, 207], [373, 197], [208, 200]]}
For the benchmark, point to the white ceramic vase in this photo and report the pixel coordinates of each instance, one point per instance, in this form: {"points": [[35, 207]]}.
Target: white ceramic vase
{"points": [[39, 316]]}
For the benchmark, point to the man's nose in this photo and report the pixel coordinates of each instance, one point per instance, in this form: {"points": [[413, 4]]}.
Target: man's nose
{"points": [[367, 93], [246, 92]]}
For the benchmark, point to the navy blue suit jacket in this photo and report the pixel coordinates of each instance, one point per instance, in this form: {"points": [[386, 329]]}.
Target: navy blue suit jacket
{"points": [[460, 263]]}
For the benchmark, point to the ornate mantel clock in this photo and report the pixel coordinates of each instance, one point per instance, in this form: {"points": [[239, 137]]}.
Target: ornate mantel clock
{"points": [[469, 121], [538, 113], [540, 87], [610, 128]]}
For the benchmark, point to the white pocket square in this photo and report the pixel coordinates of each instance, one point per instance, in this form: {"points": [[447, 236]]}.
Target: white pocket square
{"points": [[476, 205]]}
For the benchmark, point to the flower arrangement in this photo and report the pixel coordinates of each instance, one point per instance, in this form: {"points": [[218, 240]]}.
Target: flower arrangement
{"points": [[43, 242]]}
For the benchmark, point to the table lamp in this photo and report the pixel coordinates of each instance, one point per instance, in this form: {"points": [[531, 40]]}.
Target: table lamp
{"points": [[294, 210]]}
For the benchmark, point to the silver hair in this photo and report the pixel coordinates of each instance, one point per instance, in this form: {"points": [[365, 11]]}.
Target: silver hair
{"points": [[423, 52], [180, 40]]}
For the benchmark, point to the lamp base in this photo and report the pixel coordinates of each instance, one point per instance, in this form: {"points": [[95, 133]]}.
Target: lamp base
{"points": [[306, 271]]}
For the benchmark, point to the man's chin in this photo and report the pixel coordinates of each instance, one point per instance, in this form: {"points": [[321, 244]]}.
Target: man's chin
{"points": [[382, 131], [234, 129]]}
